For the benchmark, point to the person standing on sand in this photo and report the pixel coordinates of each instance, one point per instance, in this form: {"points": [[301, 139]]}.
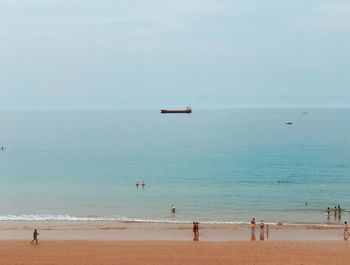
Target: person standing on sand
{"points": [[194, 231], [252, 229], [267, 231], [262, 230], [197, 231], [35, 237], [346, 231]]}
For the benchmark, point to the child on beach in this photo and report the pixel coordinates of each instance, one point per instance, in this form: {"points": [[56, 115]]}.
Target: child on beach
{"points": [[35, 237]]}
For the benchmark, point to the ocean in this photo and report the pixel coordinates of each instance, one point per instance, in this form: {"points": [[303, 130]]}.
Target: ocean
{"points": [[214, 165]]}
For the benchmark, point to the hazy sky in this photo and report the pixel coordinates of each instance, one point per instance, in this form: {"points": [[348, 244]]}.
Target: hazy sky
{"points": [[160, 53]]}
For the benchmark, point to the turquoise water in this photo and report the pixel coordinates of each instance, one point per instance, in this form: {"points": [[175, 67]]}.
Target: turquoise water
{"points": [[213, 165]]}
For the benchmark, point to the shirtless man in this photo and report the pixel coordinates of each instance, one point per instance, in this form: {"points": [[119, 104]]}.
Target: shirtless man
{"points": [[35, 237], [194, 229]]}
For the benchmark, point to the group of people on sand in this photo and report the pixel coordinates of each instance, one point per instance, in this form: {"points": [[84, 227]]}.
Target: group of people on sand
{"points": [[263, 229], [195, 230], [336, 212]]}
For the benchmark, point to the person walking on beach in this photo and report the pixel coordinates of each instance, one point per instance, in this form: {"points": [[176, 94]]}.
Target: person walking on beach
{"points": [[346, 231], [262, 230], [252, 229], [35, 237]]}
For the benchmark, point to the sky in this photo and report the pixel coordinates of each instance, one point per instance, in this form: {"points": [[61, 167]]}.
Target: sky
{"points": [[67, 54]]}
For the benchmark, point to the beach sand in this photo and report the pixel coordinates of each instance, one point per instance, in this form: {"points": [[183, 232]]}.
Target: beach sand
{"points": [[89, 243], [15, 252]]}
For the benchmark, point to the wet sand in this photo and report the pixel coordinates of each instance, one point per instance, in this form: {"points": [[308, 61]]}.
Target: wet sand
{"points": [[109, 230], [86, 252]]}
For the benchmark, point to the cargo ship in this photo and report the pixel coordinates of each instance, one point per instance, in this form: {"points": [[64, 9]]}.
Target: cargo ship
{"points": [[187, 110]]}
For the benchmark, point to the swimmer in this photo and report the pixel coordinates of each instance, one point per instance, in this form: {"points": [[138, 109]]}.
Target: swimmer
{"points": [[137, 184], [173, 210], [143, 184]]}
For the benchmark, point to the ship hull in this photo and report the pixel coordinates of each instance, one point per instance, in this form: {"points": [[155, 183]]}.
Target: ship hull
{"points": [[164, 111]]}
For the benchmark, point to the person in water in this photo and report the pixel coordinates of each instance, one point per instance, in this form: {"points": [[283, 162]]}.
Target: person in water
{"points": [[137, 184], [35, 237], [328, 212], [173, 210], [339, 212], [335, 211], [143, 184]]}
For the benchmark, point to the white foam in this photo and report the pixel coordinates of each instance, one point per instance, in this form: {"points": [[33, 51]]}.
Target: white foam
{"points": [[64, 217]]}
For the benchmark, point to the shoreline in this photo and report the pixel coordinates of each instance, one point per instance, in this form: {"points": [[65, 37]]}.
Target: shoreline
{"points": [[136, 231]]}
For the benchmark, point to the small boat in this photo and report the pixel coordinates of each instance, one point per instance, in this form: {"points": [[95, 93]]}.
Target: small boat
{"points": [[289, 123], [187, 110]]}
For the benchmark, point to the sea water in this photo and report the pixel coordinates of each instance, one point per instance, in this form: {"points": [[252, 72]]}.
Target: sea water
{"points": [[218, 165]]}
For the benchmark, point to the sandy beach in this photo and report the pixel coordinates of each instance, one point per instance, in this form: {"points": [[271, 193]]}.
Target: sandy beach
{"points": [[162, 243], [169, 252]]}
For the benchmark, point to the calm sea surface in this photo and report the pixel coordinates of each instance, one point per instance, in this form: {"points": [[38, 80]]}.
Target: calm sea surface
{"points": [[213, 165]]}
